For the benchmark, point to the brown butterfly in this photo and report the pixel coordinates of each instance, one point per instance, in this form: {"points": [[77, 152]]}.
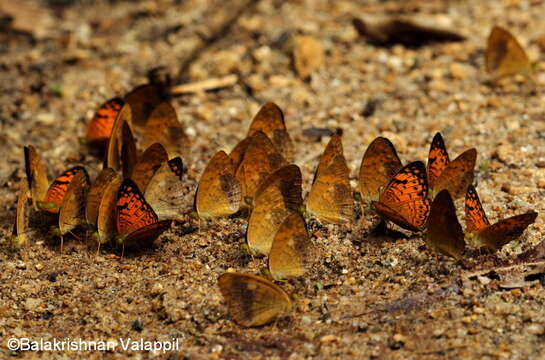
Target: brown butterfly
{"points": [[218, 193], [106, 220], [275, 199], [330, 198], [142, 100], [260, 159], [504, 56], [150, 161], [379, 164], [163, 127], [445, 234], [129, 152], [454, 176], [72, 209], [499, 234], [270, 120], [166, 193], [36, 175], [404, 201], [253, 300], [113, 150], [95, 194], [137, 223], [102, 123], [19, 237], [290, 248]]}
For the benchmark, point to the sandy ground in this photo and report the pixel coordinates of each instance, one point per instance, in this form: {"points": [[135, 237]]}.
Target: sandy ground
{"points": [[365, 296]]}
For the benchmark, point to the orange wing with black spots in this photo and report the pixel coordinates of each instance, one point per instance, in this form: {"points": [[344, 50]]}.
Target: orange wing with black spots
{"points": [[100, 127], [136, 220], [438, 159], [475, 216], [499, 234], [404, 200], [55, 194]]}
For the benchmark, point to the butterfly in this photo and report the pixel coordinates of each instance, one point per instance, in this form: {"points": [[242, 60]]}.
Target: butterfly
{"points": [[275, 199], [404, 200], [218, 192], [330, 198], [95, 194], [106, 219], [270, 120], [499, 234], [136, 221], [113, 150], [290, 248], [36, 175], [379, 164], [260, 159], [504, 56], [454, 176], [253, 300], [142, 100], [19, 236], [150, 161], [163, 127], [445, 233], [46, 197], [72, 208], [166, 193], [102, 123]]}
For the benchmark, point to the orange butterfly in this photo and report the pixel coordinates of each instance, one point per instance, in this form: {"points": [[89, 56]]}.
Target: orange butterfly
{"points": [[405, 201], [150, 161], [454, 176], [501, 233], [100, 127], [379, 164], [275, 199], [330, 198], [260, 159], [218, 193], [445, 233], [504, 56], [270, 120], [137, 223]]}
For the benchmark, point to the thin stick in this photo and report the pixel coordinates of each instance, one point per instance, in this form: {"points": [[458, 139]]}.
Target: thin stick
{"points": [[205, 85]]}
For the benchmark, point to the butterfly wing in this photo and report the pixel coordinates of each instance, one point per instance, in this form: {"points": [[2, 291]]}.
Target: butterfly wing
{"points": [[57, 190], [218, 193], [106, 220], [19, 236], [270, 120], [404, 200], [504, 56], [476, 219], [253, 300], [289, 251], [166, 193], [142, 100], [276, 197], [36, 175], [163, 127], [458, 175], [102, 123], [113, 150], [438, 160], [506, 230], [132, 210], [150, 161], [72, 209], [95, 194], [378, 165], [445, 233]]}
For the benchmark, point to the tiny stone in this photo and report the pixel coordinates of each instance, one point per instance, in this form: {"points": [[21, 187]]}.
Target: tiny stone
{"points": [[137, 325]]}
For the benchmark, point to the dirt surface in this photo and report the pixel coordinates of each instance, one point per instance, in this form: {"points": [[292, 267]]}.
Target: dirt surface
{"points": [[365, 296]]}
